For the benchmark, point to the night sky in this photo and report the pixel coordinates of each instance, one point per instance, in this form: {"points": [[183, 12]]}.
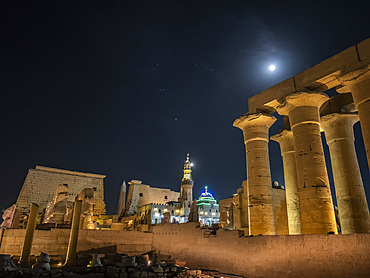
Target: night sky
{"points": [[128, 88]]}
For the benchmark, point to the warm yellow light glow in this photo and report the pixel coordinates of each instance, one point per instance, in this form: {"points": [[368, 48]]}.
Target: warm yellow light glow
{"points": [[177, 211], [149, 262], [201, 212], [60, 264], [213, 213], [165, 210], [206, 213], [155, 209]]}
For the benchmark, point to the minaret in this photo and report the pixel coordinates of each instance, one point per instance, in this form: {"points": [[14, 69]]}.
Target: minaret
{"points": [[122, 199], [186, 193]]}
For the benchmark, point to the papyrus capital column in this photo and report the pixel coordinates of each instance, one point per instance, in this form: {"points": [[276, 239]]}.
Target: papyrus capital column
{"points": [[285, 139], [255, 129], [317, 212], [352, 205], [358, 83]]}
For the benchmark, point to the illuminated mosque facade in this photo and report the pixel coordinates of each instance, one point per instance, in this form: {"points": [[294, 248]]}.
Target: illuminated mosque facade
{"points": [[208, 209]]}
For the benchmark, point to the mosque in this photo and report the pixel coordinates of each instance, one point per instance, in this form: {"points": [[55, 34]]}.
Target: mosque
{"points": [[208, 209]]}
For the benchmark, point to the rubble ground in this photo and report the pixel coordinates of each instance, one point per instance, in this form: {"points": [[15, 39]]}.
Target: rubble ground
{"points": [[112, 265]]}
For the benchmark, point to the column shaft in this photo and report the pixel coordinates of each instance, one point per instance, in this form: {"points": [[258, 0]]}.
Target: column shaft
{"points": [[27, 245], [317, 211], [361, 97], [243, 205], [260, 210], [285, 139], [352, 205], [73, 237]]}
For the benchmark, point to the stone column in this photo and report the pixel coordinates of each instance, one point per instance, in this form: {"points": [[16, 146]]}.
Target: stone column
{"points": [[73, 237], [352, 205], [359, 86], [243, 204], [255, 128], [27, 245], [285, 139], [317, 211]]}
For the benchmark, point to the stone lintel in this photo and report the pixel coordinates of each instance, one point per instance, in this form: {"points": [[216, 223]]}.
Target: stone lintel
{"points": [[330, 73], [347, 80], [341, 103]]}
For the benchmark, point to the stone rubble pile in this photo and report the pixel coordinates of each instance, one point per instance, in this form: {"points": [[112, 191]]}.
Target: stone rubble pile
{"points": [[112, 265], [42, 262]]}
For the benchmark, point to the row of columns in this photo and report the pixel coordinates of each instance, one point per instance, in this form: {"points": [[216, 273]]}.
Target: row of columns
{"points": [[309, 201]]}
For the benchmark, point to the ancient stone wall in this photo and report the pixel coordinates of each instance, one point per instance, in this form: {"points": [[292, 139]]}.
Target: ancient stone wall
{"points": [[140, 194], [41, 183], [226, 208], [55, 241], [226, 251], [266, 256], [280, 211], [232, 211]]}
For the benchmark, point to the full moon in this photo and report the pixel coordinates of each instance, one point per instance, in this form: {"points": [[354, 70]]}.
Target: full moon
{"points": [[272, 67]]}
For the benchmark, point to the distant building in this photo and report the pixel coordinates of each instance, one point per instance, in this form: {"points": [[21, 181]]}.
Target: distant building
{"points": [[148, 206], [141, 194], [186, 193]]}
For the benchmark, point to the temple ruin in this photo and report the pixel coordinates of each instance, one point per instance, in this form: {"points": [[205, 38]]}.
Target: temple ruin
{"points": [[308, 111], [42, 182], [265, 230]]}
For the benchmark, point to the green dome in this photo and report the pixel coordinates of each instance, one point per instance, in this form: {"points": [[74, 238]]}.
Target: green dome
{"points": [[206, 198]]}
